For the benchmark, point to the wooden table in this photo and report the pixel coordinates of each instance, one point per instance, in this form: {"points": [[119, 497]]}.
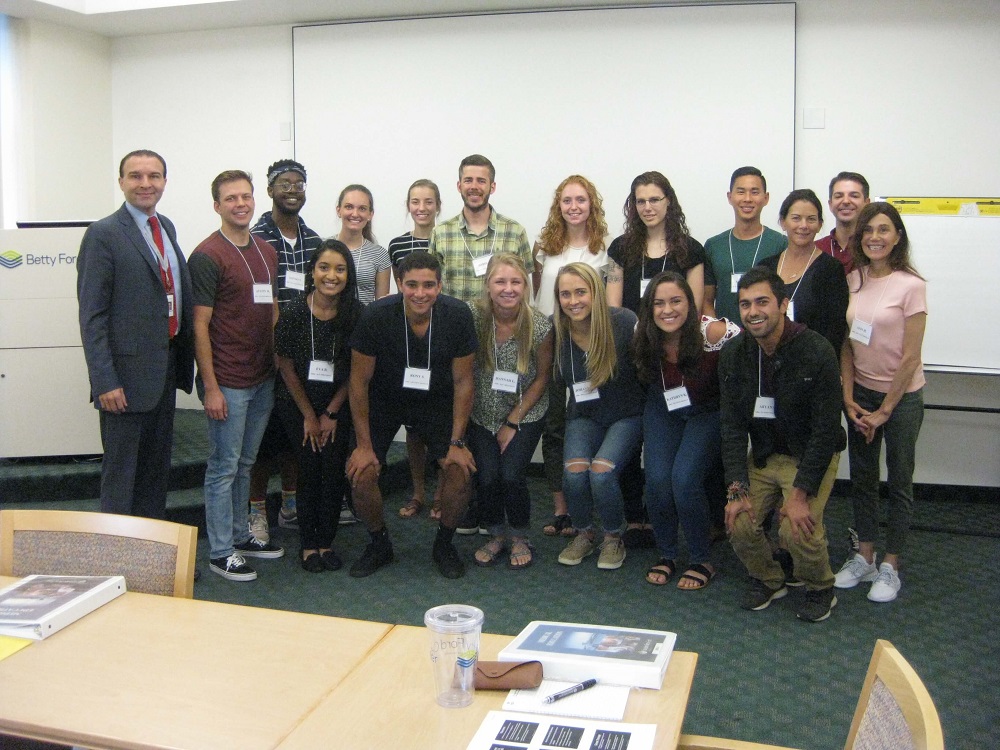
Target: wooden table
{"points": [[388, 702], [148, 671]]}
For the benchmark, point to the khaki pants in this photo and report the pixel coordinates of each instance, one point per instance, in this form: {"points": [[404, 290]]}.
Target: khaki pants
{"points": [[768, 488]]}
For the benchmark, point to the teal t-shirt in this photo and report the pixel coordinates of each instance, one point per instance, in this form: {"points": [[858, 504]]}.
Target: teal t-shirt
{"points": [[726, 255]]}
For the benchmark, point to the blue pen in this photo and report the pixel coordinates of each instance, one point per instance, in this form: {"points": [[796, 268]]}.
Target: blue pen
{"points": [[571, 691]]}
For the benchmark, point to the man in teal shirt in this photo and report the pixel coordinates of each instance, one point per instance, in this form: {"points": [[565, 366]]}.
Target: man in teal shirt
{"points": [[734, 252]]}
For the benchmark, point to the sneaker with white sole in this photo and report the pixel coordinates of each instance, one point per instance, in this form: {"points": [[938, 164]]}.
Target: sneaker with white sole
{"points": [[612, 553], [258, 526], [347, 516], [816, 606], [254, 547], [582, 546], [288, 516], [759, 595], [233, 568], [887, 584], [856, 570]]}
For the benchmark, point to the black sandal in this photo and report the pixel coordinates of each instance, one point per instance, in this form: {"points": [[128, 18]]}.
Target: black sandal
{"points": [[558, 525], [671, 568]]}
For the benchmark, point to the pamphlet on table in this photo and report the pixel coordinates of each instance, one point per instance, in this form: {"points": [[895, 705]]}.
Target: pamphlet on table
{"points": [[502, 730]]}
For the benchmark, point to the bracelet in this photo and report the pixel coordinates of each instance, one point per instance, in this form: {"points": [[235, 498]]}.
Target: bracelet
{"points": [[737, 491], [513, 425], [332, 415]]}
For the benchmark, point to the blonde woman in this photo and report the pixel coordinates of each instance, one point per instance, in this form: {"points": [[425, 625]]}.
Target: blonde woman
{"points": [[511, 395], [355, 209], [604, 420], [575, 232]]}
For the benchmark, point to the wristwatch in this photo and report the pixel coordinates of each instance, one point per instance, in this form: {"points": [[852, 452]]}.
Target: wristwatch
{"points": [[334, 415], [459, 443]]}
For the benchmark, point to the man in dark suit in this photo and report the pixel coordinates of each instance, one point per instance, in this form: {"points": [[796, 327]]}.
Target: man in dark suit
{"points": [[136, 322]]}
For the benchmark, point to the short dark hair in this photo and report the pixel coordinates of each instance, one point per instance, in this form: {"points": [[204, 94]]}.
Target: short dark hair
{"points": [[281, 166], [141, 152], [230, 175], [803, 194], [850, 177], [747, 172], [417, 261], [762, 274], [477, 160]]}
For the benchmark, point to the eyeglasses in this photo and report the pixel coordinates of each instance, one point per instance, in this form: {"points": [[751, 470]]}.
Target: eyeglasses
{"points": [[651, 202], [291, 187]]}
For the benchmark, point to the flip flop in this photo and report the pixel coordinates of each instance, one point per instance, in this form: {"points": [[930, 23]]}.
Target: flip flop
{"points": [[560, 525], [411, 509], [521, 549], [435, 513], [657, 569], [493, 550], [700, 574]]}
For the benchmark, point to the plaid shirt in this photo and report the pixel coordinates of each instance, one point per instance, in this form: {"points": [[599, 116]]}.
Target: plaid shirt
{"points": [[456, 248]]}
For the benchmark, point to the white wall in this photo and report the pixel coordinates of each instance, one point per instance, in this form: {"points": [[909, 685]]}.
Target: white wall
{"points": [[62, 144]]}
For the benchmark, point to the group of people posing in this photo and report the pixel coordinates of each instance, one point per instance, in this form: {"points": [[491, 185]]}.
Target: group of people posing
{"points": [[649, 368]]}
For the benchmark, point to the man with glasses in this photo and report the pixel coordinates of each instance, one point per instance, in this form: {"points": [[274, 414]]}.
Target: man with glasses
{"points": [[283, 228]]}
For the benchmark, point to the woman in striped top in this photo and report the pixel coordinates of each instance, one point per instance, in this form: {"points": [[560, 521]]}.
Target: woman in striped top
{"points": [[355, 209]]}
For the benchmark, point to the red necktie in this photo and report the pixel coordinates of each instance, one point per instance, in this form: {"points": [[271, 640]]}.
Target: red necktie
{"points": [[165, 274]]}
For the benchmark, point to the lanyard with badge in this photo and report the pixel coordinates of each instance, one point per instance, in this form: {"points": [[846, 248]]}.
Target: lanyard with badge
{"points": [[319, 369], [734, 278], [675, 398], [790, 311], [643, 281], [582, 391], [165, 272], [293, 279], [503, 380], [480, 264], [860, 330], [763, 407], [262, 293], [417, 378]]}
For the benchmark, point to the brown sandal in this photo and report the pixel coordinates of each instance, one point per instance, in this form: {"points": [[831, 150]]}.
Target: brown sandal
{"points": [[523, 553], [491, 552], [411, 509], [435, 513]]}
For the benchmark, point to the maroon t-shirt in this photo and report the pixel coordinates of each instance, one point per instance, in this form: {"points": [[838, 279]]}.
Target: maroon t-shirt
{"points": [[703, 387], [241, 330]]}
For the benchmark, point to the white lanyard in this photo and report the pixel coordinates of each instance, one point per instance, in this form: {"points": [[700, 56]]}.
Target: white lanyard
{"points": [[878, 304], [791, 300], [319, 369], [582, 390], [763, 407], [861, 331], [240, 253], [675, 398], [643, 281], [417, 378], [732, 258], [503, 380], [294, 279], [477, 263]]}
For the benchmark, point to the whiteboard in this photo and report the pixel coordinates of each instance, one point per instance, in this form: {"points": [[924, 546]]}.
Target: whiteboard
{"points": [[693, 92], [959, 256]]}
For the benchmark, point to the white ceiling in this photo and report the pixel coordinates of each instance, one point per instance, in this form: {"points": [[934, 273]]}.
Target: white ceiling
{"points": [[134, 17]]}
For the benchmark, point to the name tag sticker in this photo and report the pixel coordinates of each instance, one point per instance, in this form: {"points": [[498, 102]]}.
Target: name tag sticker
{"points": [[479, 264], [295, 280], [677, 398], [417, 379], [583, 392], [321, 370], [763, 408], [734, 282], [262, 294], [643, 283], [861, 331], [790, 312], [170, 305], [505, 381]]}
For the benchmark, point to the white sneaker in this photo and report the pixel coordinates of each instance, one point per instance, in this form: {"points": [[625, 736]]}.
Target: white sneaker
{"points": [[856, 570], [886, 585], [259, 528]]}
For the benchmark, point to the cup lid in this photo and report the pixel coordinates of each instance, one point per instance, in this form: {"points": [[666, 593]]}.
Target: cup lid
{"points": [[453, 618]]}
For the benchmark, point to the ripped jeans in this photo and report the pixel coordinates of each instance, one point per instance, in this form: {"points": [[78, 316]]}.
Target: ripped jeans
{"points": [[593, 459]]}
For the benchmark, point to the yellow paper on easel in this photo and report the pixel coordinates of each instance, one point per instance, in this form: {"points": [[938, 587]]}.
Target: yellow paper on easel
{"points": [[946, 206], [11, 645]]}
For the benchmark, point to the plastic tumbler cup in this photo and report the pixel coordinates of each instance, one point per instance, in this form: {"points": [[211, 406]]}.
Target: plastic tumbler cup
{"points": [[454, 631]]}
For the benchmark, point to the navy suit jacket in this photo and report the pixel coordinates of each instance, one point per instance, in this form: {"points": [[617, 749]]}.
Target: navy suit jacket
{"points": [[124, 322]]}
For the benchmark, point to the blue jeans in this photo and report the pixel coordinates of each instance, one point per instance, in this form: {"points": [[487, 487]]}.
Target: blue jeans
{"points": [[900, 434], [500, 477], [589, 489], [233, 444], [680, 446]]}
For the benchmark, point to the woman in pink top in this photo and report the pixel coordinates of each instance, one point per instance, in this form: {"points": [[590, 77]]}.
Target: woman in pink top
{"points": [[883, 382]]}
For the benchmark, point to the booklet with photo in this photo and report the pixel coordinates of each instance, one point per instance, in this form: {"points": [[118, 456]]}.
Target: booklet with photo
{"points": [[503, 730], [38, 606], [576, 652]]}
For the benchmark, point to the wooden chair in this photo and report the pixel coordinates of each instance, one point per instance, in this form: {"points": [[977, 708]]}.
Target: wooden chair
{"points": [[895, 712], [156, 557]]}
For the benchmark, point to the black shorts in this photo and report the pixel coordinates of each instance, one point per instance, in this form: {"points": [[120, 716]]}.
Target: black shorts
{"points": [[432, 426]]}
